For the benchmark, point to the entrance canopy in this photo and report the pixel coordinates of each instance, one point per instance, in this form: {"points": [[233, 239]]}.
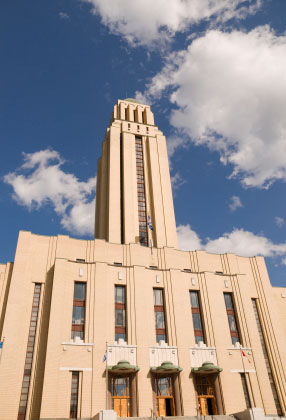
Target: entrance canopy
{"points": [[123, 366], [206, 368], [166, 367]]}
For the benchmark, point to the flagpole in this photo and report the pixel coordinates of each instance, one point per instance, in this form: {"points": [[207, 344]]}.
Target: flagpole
{"points": [[106, 374], [2, 349]]}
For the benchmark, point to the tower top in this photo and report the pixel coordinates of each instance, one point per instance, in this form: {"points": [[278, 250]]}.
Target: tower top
{"points": [[132, 100]]}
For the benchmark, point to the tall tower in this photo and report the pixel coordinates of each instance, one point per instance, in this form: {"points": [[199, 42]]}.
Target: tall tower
{"points": [[133, 180]]}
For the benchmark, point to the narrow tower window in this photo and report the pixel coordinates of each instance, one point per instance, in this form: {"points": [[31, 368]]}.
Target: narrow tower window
{"points": [[160, 324], [232, 322], [142, 217], [78, 313], [120, 313], [74, 395], [126, 114], [29, 354], [245, 390], [197, 317], [266, 358]]}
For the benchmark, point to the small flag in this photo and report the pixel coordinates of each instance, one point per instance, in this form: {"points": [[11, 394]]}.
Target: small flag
{"points": [[244, 355], [149, 223], [1, 344], [104, 357]]}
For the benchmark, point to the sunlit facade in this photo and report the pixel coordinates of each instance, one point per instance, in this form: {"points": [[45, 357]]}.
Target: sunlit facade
{"points": [[129, 323]]}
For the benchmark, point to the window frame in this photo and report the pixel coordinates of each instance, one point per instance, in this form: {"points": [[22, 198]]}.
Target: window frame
{"points": [[196, 310]]}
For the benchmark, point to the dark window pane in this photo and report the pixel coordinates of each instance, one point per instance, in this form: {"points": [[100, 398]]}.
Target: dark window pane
{"points": [[75, 334], [78, 315], [120, 335], [160, 337], [234, 340], [199, 338], [228, 301], [119, 317], [119, 294], [79, 291], [194, 299], [197, 322], [160, 321], [232, 323], [158, 297]]}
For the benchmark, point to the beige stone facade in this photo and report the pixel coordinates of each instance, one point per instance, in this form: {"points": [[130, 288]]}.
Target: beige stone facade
{"points": [[37, 297]]}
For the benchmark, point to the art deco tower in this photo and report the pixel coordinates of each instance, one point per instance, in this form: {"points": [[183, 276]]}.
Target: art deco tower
{"points": [[133, 180]]}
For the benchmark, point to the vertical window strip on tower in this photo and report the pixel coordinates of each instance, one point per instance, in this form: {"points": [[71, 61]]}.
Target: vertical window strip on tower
{"points": [[74, 395], [197, 317], [78, 313], [29, 353], [142, 216], [231, 316], [159, 309], [266, 358], [120, 313], [245, 390]]}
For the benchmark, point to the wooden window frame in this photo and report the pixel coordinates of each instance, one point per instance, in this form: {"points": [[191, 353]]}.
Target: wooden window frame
{"points": [[120, 306], [79, 303], [197, 310], [231, 311]]}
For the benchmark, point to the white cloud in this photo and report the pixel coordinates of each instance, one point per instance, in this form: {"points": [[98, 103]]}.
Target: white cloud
{"points": [[229, 90], [175, 142], [177, 181], [41, 181], [63, 15], [188, 238], [235, 203], [145, 22], [239, 242], [279, 221]]}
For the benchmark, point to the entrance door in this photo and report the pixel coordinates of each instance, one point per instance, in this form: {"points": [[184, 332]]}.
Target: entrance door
{"points": [[121, 396], [206, 395], [164, 396]]}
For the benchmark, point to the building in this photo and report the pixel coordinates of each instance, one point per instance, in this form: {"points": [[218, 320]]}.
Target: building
{"points": [[127, 321]]}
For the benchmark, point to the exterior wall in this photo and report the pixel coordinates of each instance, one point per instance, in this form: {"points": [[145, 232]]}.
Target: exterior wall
{"points": [[51, 261]]}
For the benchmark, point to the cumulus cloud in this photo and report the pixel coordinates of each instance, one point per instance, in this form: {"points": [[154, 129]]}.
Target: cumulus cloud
{"points": [[239, 241], [229, 91], [142, 22], [235, 203], [41, 181]]}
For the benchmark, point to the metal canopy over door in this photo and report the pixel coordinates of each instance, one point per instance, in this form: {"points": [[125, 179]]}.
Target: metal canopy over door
{"points": [[164, 396], [206, 395], [121, 396]]}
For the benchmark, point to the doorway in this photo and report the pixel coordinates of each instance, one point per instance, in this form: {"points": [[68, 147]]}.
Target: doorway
{"points": [[164, 396], [121, 395], [206, 395]]}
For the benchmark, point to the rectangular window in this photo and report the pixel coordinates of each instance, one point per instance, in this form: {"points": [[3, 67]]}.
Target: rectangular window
{"points": [[232, 322], [245, 390], [266, 358], [78, 312], [142, 215], [160, 324], [120, 313], [197, 317], [29, 353], [74, 395]]}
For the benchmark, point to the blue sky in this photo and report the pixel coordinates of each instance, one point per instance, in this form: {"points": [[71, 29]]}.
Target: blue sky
{"points": [[215, 76]]}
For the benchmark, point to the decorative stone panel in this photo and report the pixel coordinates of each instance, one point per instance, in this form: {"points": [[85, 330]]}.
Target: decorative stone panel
{"points": [[121, 351], [162, 353], [201, 353]]}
